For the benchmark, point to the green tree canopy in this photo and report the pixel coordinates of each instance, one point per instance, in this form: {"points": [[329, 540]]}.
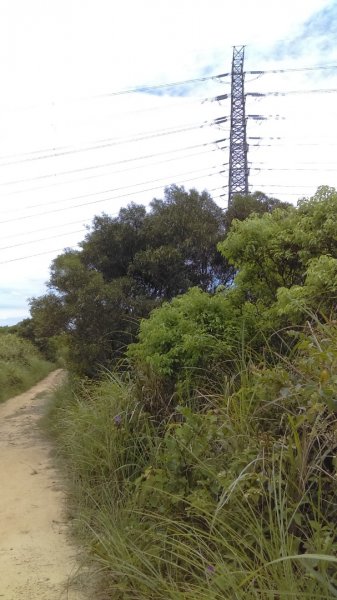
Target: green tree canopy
{"points": [[286, 269], [274, 250], [126, 266], [243, 206]]}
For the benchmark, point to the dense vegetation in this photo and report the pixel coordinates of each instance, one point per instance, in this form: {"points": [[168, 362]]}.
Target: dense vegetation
{"points": [[21, 365], [126, 267], [204, 465]]}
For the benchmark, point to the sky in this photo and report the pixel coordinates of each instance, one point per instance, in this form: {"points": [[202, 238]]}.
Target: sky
{"points": [[88, 123]]}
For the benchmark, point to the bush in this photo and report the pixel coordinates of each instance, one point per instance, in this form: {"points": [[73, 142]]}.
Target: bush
{"points": [[235, 500], [209, 472], [194, 341]]}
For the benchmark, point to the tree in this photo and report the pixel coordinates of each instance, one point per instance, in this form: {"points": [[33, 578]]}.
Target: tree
{"points": [[128, 265], [275, 249], [48, 319], [192, 224], [111, 244], [286, 262], [243, 206]]}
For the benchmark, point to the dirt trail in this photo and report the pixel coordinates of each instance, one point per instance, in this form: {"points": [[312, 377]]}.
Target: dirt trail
{"points": [[37, 559]]}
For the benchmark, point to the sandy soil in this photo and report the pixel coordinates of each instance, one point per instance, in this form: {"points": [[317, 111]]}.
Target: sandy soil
{"points": [[37, 558]]}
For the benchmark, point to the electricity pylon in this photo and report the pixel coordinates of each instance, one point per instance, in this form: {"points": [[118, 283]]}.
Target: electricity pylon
{"points": [[238, 149]]}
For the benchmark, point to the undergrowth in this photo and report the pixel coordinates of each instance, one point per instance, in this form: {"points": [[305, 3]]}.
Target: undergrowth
{"points": [[232, 496], [21, 365]]}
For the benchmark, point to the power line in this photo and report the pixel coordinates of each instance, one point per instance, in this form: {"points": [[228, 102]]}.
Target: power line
{"points": [[62, 235], [294, 70], [289, 92], [116, 116], [156, 154], [77, 222], [141, 89], [108, 191], [148, 88], [297, 194], [111, 173], [109, 142], [291, 169], [41, 239], [184, 101], [5, 262], [292, 144], [106, 199], [310, 162], [15, 235], [100, 175], [107, 164], [283, 185]]}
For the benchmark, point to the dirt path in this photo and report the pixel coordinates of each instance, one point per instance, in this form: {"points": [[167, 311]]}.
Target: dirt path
{"points": [[37, 560]]}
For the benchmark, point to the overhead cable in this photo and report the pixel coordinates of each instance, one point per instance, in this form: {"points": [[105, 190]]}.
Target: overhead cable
{"points": [[23, 217]]}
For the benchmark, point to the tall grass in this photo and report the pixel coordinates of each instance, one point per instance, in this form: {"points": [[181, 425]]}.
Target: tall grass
{"points": [[21, 366], [235, 501]]}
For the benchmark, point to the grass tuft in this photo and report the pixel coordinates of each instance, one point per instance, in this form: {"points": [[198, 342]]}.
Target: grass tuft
{"points": [[235, 499], [21, 366]]}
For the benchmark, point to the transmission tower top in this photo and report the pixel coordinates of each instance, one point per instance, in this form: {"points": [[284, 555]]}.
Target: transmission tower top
{"points": [[238, 165]]}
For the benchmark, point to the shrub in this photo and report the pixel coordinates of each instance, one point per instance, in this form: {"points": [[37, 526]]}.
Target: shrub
{"points": [[191, 342], [234, 500]]}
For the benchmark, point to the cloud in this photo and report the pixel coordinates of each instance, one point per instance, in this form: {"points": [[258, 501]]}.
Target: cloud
{"points": [[183, 90], [317, 34]]}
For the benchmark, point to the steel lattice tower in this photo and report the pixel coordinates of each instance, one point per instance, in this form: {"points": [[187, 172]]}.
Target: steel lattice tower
{"points": [[238, 166]]}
